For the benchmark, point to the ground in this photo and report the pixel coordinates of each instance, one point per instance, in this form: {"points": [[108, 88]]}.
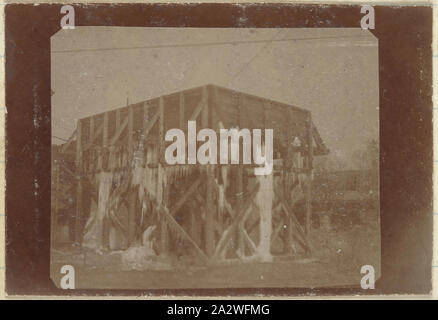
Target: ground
{"points": [[338, 256]]}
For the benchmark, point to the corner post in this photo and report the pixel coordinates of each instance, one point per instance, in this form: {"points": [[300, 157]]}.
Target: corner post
{"points": [[132, 193], [308, 191], [106, 222], [239, 185], [209, 197], [79, 189], [164, 236]]}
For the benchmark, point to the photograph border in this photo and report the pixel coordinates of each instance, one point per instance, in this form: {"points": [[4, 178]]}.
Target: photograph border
{"points": [[406, 160]]}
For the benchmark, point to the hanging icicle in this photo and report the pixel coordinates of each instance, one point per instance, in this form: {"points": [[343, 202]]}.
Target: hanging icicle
{"points": [[112, 161], [264, 199], [94, 226]]}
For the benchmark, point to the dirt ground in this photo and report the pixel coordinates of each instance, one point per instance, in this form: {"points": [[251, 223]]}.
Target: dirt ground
{"points": [[337, 257]]}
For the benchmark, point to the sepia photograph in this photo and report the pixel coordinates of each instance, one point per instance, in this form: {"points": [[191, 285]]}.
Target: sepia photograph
{"points": [[192, 158]]}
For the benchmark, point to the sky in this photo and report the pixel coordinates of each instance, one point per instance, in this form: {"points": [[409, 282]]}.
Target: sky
{"points": [[331, 72]]}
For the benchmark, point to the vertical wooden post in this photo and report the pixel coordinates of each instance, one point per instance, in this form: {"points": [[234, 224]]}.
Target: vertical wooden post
{"points": [[239, 206], [209, 197], [106, 222], [287, 235], [308, 191], [130, 130], [89, 164], [132, 193], [118, 154], [144, 135], [91, 136], [164, 236], [209, 212], [79, 191], [194, 232], [117, 119], [239, 183], [54, 215], [118, 164], [161, 131], [215, 113], [99, 165], [145, 118], [286, 171], [105, 131], [310, 143]]}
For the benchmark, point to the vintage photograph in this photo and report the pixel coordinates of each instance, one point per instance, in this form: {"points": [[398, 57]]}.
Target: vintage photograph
{"points": [[187, 158]]}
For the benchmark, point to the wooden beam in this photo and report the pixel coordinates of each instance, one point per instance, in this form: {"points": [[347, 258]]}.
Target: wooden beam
{"points": [[209, 197], [227, 205], [230, 231], [239, 205], [161, 128], [198, 196], [200, 105], [239, 183], [300, 234], [117, 222], [250, 244], [165, 228], [182, 232], [117, 135], [287, 222], [256, 221], [117, 120], [91, 128], [216, 106], [310, 142], [308, 191], [151, 123], [54, 213], [266, 109], [90, 139], [244, 237], [213, 106], [105, 130], [106, 219], [164, 235], [146, 145], [96, 134], [276, 231], [288, 211], [130, 130], [193, 187], [296, 224], [69, 141], [194, 232], [132, 193], [145, 118], [288, 234], [321, 149], [79, 190]]}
